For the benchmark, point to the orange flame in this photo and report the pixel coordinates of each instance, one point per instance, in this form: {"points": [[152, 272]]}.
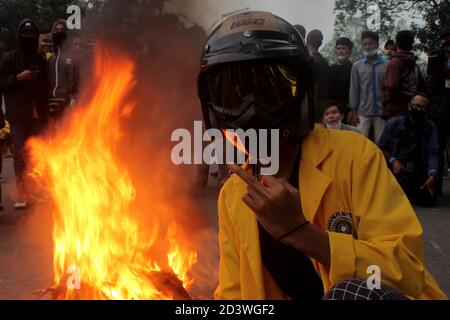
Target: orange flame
{"points": [[234, 139], [94, 226]]}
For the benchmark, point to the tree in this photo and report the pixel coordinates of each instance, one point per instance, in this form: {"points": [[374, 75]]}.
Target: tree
{"points": [[43, 12], [436, 14], [355, 16]]}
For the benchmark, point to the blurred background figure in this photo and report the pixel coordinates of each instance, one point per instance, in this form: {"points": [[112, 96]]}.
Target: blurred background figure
{"points": [[24, 83], [321, 69], [403, 79], [341, 74], [332, 117], [439, 88], [389, 50], [366, 88], [410, 145], [64, 72], [45, 47]]}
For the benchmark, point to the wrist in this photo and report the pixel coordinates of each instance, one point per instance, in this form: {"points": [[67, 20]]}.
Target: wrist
{"points": [[300, 238]]}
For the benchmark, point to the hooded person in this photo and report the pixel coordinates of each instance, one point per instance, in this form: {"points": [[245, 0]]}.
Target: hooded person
{"points": [[64, 71], [24, 83], [403, 79], [334, 208]]}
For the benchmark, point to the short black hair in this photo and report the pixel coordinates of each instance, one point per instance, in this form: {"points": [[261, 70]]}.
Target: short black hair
{"points": [[405, 40], [371, 35], [390, 42], [345, 42], [326, 104], [315, 38]]}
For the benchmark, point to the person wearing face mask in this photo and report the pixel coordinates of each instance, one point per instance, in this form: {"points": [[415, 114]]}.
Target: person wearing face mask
{"points": [[410, 145], [332, 117], [366, 88], [389, 50], [403, 79], [64, 71], [24, 83], [341, 73]]}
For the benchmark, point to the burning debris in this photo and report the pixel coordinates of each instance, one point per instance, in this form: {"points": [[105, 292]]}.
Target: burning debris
{"points": [[95, 228]]}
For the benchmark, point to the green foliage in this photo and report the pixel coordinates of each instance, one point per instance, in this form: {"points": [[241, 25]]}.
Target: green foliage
{"points": [[428, 17], [43, 12]]}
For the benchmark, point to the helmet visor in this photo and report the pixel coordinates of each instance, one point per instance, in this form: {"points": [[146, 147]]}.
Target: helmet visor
{"points": [[233, 87]]}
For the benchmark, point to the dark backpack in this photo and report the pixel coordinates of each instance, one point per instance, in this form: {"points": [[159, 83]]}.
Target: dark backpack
{"points": [[411, 81]]}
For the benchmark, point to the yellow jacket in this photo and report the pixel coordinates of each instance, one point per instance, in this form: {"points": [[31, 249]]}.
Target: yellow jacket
{"points": [[347, 190]]}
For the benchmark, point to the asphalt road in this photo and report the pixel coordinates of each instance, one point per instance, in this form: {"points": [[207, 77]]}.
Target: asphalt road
{"points": [[26, 254]]}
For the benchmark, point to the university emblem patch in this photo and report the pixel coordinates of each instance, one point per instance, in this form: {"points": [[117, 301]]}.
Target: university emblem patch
{"points": [[342, 222]]}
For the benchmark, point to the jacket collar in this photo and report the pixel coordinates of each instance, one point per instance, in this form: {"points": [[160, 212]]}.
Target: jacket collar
{"points": [[315, 151]]}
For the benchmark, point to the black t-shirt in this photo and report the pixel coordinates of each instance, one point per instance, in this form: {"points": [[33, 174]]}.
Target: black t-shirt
{"points": [[291, 269], [340, 82]]}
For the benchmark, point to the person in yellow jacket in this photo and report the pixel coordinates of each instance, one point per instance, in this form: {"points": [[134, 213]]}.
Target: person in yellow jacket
{"points": [[333, 223]]}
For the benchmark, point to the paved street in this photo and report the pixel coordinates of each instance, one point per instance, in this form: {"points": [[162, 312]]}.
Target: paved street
{"points": [[26, 256]]}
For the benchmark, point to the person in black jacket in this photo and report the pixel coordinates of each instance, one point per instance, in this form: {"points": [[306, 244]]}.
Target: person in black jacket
{"points": [[341, 74], [24, 83]]}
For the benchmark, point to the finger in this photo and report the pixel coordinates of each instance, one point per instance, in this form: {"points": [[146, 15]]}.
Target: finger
{"points": [[250, 202], [244, 175], [252, 182], [289, 186], [269, 181]]}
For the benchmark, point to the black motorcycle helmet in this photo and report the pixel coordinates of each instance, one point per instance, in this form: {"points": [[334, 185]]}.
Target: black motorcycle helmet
{"points": [[256, 74]]}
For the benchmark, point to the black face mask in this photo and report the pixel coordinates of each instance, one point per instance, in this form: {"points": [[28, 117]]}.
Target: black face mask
{"points": [[59, 38], [29, 45], [418, 116]]}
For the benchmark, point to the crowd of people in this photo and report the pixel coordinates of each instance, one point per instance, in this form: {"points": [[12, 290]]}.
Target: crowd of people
{"points": [[39, 81], [385, 96]]}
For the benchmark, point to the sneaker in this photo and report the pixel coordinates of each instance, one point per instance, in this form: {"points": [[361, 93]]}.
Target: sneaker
{"points": [[21, 205]]}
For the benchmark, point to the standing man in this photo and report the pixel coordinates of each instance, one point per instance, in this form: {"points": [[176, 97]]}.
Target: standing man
{"points": [[24, 82], [439, 87], [403, 79], [321, 70], [366, 88], [341, 74], [64, 71], [45, 44]]}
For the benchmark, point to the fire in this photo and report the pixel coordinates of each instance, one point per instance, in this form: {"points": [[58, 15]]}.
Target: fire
{"points": [[234, 139], [100, 251]]}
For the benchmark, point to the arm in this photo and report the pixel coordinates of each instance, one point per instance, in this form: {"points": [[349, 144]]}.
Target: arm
{"points": [[229, 274], [389, 233], [354, 89], [386, 141]]}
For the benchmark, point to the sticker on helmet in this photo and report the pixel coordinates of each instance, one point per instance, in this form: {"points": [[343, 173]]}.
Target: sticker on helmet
{"points": [[249, 21]]}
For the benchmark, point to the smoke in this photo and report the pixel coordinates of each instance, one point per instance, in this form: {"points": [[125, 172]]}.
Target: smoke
{"points": [[166, 54], [313, 14]]}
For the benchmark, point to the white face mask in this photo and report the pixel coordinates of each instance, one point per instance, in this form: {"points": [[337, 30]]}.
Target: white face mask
{"points": [[343, 58], [369, 54], [337, 126]]}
